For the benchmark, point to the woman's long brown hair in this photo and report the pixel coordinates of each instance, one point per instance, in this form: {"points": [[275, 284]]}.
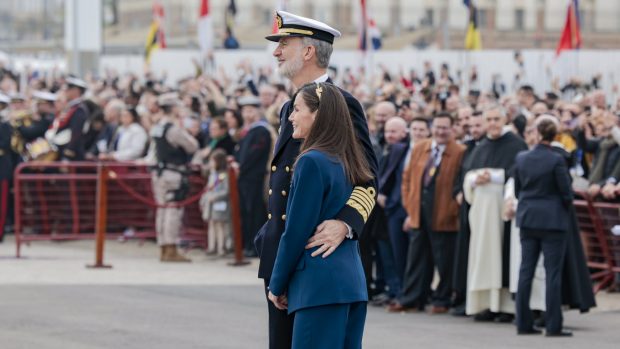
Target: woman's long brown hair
{"points": [[332, 132]]}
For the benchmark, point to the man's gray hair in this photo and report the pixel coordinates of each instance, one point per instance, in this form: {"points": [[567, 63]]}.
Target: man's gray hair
{"points": [[495, 106], [322, 48]]}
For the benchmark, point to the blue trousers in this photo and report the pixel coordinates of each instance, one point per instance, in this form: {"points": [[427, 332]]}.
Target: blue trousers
{"points": [[553, 246], [333, 326]]}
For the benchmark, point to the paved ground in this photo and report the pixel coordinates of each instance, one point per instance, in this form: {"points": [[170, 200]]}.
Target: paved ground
{"points": [[50, 300]]}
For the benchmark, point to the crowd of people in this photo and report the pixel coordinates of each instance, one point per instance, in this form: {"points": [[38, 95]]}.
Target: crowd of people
{"points": [[453, 221]]}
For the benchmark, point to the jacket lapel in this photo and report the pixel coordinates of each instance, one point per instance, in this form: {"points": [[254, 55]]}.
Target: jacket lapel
{"points": [[286, 129]]}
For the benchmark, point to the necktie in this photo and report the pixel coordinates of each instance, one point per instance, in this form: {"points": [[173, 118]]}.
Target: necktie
{"points": [[431, 166]]}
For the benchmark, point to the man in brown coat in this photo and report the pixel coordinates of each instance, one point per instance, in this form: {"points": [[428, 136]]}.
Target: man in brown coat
{"points": [[428, 198]]}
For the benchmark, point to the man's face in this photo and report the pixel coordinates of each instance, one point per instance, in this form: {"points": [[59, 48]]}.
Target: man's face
{"points": [[495, 123], [249, 114], [44, 107], [442, 130], [267, 95], [395, 131], [382, 113], [215, 131], [477, 127], [289, 54], [539, 108], [463, 117], [419, 131], [531, 135], [72, 93]]}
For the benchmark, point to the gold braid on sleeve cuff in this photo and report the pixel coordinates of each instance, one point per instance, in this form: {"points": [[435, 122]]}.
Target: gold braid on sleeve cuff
{"points": [[362, 200]]}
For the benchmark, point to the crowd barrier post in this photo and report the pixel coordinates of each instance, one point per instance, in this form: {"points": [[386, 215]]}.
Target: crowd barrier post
{"points": [[236, 218], [101, 215]]}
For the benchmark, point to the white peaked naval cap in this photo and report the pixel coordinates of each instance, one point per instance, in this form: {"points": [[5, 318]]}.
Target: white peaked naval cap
{"points": [[290, 25]]}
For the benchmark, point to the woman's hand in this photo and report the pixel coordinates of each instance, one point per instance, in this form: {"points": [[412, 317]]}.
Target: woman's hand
{"points": [[281, 302]]}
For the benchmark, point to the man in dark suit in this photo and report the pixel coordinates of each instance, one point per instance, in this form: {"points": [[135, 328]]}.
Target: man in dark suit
{"points": [[543, 188], [252, 156], [303, 52], [477, 131], [389, 199], [427, 192]]}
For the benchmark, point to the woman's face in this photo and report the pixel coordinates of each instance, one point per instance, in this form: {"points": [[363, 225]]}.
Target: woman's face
{"points": [[301, 118], [231, 120]]}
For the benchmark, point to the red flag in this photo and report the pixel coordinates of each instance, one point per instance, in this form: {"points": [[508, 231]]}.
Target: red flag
{"points": [[280, 7], [571, 35], [158, 15], [205, 28]]}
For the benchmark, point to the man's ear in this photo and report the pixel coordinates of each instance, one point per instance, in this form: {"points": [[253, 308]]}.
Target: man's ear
{"points": [[309, 52]]}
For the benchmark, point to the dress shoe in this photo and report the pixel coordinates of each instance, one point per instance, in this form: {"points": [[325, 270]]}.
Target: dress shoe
{"points": [[504, 318], [530, 331], [438, 310], [562, 333], [458, 311], [485, 316], [399, 308], [381, 300]]}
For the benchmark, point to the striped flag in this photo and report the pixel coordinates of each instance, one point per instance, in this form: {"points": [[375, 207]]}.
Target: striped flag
{"points": [[369, 33], [362, 43], [571, 35], [205, 28], [375, 34], [155, 38], [472, 38]]}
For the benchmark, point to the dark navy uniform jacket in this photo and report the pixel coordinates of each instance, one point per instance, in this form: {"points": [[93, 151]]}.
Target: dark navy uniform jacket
{"points": [[6, 162], [356, 210], [319, 191], [75, 150], [542, 185]]}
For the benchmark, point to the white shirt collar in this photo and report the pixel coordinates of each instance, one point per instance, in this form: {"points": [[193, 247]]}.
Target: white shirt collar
{"points": [[322, 78], [440, 147]]}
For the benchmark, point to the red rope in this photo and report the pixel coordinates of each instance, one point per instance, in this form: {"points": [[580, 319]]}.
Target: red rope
{"points": [[150, 202]]}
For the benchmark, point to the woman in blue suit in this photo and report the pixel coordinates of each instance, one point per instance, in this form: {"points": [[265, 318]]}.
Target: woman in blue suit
{"points": [[327, 295], [544, 191]]}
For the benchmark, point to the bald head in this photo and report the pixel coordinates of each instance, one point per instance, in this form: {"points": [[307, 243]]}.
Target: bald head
{"points": [[384, 111], [395, 130]]}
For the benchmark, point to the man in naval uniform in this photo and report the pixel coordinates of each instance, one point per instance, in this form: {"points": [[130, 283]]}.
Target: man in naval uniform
{"points": [[252, 156], [6, 167], [70, 124], [303, 53]]}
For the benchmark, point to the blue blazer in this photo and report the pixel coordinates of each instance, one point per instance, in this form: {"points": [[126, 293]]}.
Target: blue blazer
{"points": [[284, 155], [543, 188], [318, 192], [391, 176]]}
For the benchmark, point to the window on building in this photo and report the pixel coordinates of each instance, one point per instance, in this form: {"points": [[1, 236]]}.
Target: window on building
{"points": [[427, 21], [520, 19], [482, 18]]}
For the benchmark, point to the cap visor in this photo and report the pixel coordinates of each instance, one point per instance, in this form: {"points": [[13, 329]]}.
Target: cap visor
{"points": [[277, 37]]}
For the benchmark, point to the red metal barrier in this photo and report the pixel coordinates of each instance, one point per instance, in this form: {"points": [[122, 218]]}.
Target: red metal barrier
{"points": [[57, 201], [602, 248]]}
